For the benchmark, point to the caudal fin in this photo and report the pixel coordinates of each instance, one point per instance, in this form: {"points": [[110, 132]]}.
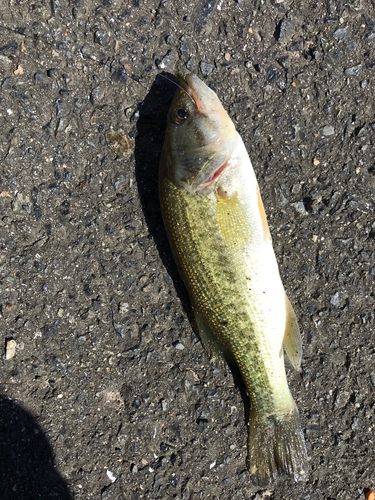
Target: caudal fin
{"points": [[276, 446]]}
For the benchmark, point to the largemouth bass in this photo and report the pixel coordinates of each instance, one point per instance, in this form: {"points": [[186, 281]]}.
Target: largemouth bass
{"points": [[219, 235]]}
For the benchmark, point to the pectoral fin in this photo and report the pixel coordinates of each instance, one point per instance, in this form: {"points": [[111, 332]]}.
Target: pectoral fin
{"points": [[292, 337], [233, 223], [234, 220]]}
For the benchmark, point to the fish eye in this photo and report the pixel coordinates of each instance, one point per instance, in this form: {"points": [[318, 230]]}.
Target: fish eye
{"points": [[179, 115]]}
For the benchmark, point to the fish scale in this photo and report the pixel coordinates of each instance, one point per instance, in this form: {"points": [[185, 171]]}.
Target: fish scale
{"points": [[213, 282]]}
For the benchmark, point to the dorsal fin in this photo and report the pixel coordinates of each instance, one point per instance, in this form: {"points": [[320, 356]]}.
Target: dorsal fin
{"points": [[266, 230]]}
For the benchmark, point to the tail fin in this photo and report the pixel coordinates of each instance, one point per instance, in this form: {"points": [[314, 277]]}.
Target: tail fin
{"points": [[276, 446]]}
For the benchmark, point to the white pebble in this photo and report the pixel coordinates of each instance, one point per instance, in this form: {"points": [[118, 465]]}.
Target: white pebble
{"points": [[111, 476], [10, 349]]}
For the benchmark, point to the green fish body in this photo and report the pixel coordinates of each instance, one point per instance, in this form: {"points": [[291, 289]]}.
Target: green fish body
{"points": [[218, 232]]}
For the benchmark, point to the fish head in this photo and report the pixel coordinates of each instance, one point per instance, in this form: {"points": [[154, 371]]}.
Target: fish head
{"points": [[200, 137]]}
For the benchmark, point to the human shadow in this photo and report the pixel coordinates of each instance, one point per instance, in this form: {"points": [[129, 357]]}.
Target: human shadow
{"points": [[151, 127], [27, 469]]}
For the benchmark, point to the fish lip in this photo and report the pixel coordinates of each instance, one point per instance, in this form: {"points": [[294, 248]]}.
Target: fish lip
{"points": [[182, 81], [190, 90]]}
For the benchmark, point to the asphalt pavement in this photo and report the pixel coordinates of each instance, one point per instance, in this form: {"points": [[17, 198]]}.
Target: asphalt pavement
{"points": [[106, 391]]}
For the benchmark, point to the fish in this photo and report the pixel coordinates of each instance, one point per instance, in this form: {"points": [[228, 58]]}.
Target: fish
{"points": [[220, 239]]}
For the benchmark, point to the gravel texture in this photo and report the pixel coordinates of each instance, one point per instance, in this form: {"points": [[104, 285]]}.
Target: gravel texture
{"points": [[106, 390]]}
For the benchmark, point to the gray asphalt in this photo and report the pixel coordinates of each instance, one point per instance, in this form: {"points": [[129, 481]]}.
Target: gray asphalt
{"points": [[109, 393]]}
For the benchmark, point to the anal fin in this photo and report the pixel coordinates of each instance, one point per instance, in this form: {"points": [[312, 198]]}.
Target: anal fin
{"points": [[292, 337]]}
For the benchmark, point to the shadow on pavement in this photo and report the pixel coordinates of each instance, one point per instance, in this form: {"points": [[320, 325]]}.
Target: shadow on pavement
{"points": [[151, 127], [27, 470]]}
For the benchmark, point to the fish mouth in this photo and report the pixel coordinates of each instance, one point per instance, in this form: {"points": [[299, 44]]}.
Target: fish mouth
{"points": [[184, 84], [187, 84]]}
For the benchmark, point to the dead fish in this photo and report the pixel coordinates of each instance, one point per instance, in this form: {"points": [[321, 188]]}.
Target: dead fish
{"points": [[218, 231]]}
